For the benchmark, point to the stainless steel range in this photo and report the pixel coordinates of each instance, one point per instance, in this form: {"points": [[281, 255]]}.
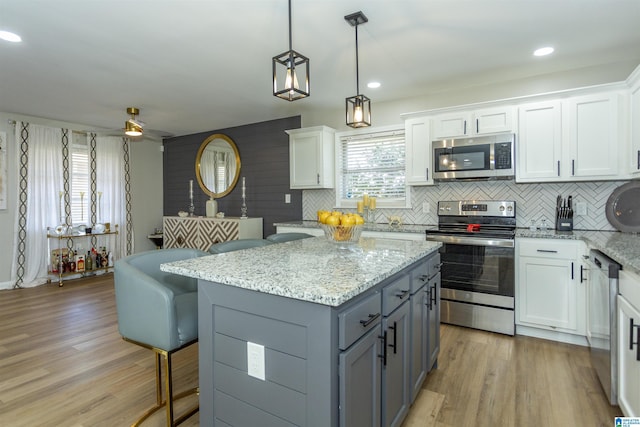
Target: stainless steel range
{"points": [[477, 255]]}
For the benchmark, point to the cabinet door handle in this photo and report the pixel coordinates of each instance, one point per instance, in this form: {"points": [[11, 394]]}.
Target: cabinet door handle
{"points": [[394, 328], [318, 178], [548, 251], [427, 172], [428, 297], [424, 278], [573, 167], [372, 318], [383, 356], [638, 159], [477, 125], [465, 128], [582, 278], [572, 270], [637, 343], [558, 167], [434, 296], [402, 294]]}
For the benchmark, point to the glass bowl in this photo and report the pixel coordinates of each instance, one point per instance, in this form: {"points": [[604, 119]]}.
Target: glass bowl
{"points": [[342, 233]]}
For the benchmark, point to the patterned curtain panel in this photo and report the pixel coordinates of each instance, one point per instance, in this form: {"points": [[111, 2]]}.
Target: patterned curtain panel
{"points": [[40, 182]]}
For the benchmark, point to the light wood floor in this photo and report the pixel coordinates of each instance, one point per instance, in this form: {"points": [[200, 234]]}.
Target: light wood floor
{"points": [[62, 363]]}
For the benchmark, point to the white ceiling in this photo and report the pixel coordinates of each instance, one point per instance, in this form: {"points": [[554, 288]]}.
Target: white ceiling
{"points": [[193, 66]]}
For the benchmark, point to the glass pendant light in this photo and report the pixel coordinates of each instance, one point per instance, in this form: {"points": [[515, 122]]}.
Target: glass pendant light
{"points": [[286, 68], [359, 106]]}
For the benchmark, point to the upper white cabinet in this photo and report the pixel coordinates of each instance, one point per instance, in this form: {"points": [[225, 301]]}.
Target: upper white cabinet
{"points": [[539, 142], [634, 114], [574, 139], [477, 122], [418, 151], [311, 157]]}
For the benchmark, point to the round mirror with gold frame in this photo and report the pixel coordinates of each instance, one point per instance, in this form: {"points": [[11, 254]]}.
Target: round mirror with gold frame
{"points": [[217, 165]]}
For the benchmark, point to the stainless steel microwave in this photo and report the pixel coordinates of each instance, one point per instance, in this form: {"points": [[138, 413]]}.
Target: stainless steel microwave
{"points": [[481, 157]]}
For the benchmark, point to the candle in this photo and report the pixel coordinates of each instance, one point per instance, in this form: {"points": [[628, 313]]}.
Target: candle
{"points": [[243, 187], [365, 199], [372, 202], [360, 204], [191, 188]]}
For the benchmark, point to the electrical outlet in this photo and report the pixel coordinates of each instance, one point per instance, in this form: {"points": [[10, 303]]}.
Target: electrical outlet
{"points": [[287, 198], [425, 207], [255, 360], [581, 208]]}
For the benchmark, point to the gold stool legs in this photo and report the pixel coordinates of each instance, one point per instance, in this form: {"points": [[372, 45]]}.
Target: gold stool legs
{"points": [[166, 399]]}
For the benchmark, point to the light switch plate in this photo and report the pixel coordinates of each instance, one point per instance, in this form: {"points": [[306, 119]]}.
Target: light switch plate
{"points": [[287, 198], [425, 207], [255, 360], [581, 208]]}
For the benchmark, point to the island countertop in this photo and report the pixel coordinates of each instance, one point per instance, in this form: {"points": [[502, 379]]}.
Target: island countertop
{"points": [[313, 269]]}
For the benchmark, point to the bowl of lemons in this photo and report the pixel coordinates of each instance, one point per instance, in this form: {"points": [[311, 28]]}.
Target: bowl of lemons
{"points": [[341, 227]]}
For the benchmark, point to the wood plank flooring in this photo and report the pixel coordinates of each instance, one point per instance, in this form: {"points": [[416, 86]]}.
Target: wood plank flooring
{"points": [[63, 363]]}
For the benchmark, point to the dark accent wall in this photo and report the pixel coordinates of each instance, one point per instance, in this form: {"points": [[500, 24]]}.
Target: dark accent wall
{"points": [[264, 157]]}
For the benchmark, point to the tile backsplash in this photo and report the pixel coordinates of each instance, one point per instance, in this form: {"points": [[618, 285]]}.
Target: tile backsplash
{"points": [[533, 201]]}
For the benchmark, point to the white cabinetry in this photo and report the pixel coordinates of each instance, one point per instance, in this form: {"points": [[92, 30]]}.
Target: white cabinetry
{"points": [[550, 289], [634, 114], [539, 142], [628, 344], [478, 122], [418, 151], [311, 157], [576, 139], [316, 231]]}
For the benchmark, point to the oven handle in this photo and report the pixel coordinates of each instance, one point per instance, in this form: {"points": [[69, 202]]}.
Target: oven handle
{"points": [[472, 241]]}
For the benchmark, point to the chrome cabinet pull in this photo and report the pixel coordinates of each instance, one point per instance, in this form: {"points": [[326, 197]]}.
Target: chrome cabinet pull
{"points": [[318, 178], [372, 318], [558, 167], [477, 125], [427, 171], [465, 127], [639, 159], [571, 270], [548, 251], [573, 167]]}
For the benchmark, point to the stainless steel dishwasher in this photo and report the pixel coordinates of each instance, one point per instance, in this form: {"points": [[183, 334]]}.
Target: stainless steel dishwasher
{"points": [[602, 324]]}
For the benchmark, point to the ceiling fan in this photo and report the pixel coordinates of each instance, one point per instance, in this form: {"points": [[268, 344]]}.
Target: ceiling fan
{"points": [[134, 128]]}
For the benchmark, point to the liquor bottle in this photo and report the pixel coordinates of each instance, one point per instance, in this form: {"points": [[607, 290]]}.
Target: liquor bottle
{"points": [[89, 262]]}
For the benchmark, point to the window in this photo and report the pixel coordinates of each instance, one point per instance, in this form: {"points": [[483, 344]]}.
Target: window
{"points": [[372, 163], [80, 196]]}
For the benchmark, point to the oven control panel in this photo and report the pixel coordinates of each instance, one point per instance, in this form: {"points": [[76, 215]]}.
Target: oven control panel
{"points": [[494, 208]]}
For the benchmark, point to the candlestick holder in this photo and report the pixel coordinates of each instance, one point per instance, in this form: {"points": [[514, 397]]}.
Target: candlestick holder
{"points": [[243, 208], [192, 208]]}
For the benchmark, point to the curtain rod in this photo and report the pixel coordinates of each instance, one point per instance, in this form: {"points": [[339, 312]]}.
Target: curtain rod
{"points": [[79, 132]]}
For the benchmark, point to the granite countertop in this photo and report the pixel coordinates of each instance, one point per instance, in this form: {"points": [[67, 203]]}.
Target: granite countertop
{"points": [[313, 269]]}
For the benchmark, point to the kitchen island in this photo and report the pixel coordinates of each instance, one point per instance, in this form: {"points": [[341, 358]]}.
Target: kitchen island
{"points": [[308, 333]]}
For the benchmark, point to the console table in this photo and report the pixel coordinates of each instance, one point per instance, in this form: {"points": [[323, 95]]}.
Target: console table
{"points": [[202, 232]]}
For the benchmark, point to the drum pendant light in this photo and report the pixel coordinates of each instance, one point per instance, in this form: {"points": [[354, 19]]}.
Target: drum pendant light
{"points": [[287, 67], [359, 106]]}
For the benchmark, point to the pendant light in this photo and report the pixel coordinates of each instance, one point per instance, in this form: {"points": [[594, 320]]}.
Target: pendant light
{"points": [[359, 106], [133, 127], [286, 68]]}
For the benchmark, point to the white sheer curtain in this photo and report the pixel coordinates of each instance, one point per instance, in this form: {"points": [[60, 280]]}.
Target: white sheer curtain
{"points": [[110, 181], [44, 184]]}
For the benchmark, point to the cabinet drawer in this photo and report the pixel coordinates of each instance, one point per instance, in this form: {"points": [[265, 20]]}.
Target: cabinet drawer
{"points": [[423, 272], [357, 320], [395, 294], [548, 248]]}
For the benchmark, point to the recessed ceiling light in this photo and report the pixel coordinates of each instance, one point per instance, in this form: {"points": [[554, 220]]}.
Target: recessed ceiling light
{"points": [[10, 37], [543, 51], [373, 85]]}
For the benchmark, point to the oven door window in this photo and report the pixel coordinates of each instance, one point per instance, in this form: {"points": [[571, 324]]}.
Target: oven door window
{"points": [[485, 269], [469, 158]]}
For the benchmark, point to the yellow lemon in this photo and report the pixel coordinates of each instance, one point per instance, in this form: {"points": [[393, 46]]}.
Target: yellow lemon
{"points": [[323, 217], [347, 220], [359, 220], [332, 220]]}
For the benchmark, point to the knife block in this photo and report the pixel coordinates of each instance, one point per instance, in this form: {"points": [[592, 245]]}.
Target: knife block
{"points": [[564, 224]]}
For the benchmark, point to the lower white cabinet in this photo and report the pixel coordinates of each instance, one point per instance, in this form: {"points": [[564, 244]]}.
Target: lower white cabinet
{"points": [[629, 345], [550, 289]]}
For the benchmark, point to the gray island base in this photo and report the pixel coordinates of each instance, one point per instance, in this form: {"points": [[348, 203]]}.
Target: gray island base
{"points": [[308, 333]]}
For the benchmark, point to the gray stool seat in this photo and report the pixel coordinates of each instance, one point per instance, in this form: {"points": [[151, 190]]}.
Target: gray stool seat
{"points": [[158, 311], [236, 245], [287, 237]]}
